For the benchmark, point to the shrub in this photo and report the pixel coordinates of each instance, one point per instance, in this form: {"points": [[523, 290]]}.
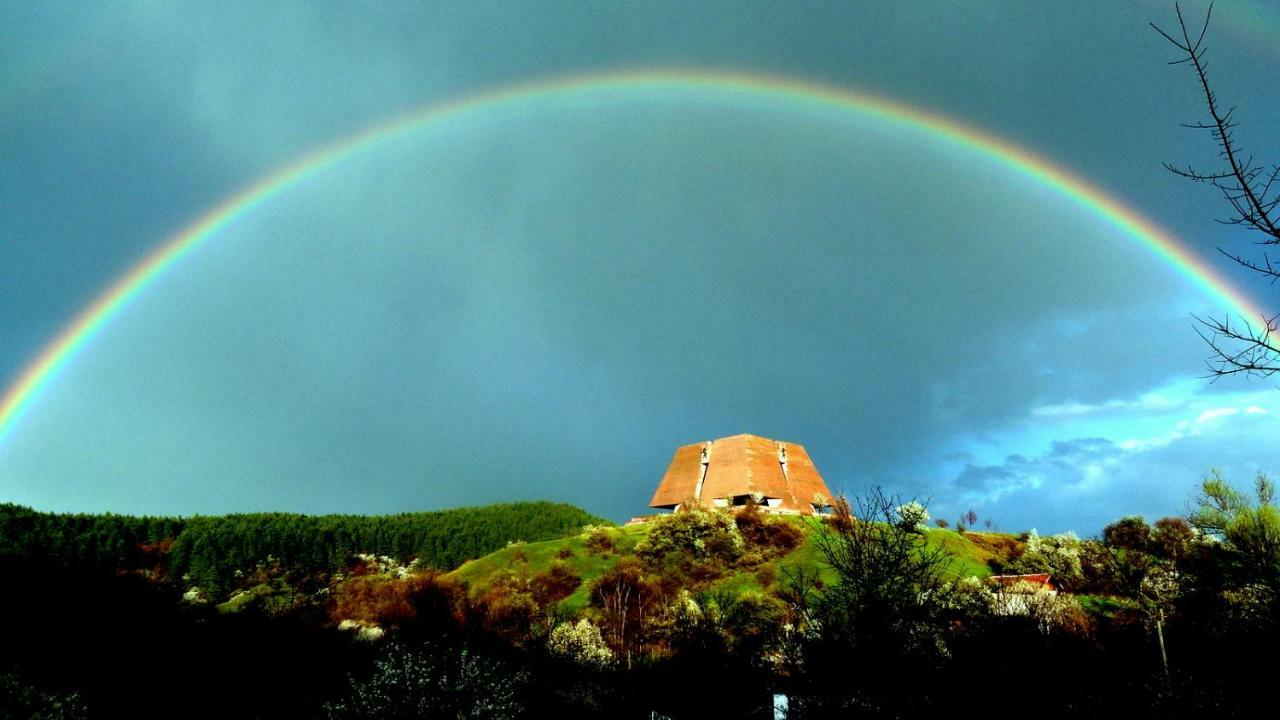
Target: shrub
{"points": [[509, 609], [580, 643], [770, 536], [381, 600], [433, 681], [1058, 555], [886, 605], [627, 602], [556, 584], [698, 533], [912, 516], [599, 540], [766, 576]]}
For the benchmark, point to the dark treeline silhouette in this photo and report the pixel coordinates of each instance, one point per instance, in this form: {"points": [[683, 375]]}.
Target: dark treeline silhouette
{"points": [[210, 551]]}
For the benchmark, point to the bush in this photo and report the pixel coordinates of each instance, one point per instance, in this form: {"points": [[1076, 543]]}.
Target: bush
{"points": [[556, 584], [599, 540], [768, 536], [433, 681], [912, 516], [580, 643], [887, 604], [380, 600], [697, 533], [628, 602], [1058, 555]]}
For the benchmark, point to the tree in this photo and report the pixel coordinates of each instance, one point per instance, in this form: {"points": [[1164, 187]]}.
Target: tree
{"points": [[1249, 530], [883, 616], [626, 600], [1137, 573], [1251, 190], [433, 681], [912, 516]]}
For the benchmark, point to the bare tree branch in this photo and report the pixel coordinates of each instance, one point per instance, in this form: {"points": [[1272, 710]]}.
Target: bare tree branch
{"points": [[1238, 347]]}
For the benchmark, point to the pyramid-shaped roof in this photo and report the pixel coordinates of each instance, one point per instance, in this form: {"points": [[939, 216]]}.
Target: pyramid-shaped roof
{"points": [[717, 471]]}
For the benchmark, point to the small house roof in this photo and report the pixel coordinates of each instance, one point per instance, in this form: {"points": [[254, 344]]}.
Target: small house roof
{"points": [[1035, 581]]}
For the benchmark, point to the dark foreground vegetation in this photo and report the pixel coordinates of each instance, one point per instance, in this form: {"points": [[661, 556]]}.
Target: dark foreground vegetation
{"points": [[685, 617]]}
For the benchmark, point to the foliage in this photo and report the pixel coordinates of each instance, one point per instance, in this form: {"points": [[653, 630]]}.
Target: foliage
{"points": [[1058, 555], [790, 623], [1129, 533], [765, 535], [700, 533], [912, 516], [1249, 530], [1174, 538], [556, 584], [87, 542], [598, 540], [889, 584], [433, 681], [1048, 611], [19, 698], [580, 643], [213, 552], [389, 601], [629, 600]]}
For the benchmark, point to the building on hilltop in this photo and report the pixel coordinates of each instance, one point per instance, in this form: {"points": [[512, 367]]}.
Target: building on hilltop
{"points": [[730, 471]]}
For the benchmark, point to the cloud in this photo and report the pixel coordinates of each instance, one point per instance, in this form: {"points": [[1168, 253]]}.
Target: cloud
{"points": [[985, 477], [544, 303], [1083, 483], [1111, 407]]}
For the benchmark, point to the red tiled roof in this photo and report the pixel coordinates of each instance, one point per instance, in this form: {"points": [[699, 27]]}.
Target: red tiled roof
{"points": [[1039, 580]]}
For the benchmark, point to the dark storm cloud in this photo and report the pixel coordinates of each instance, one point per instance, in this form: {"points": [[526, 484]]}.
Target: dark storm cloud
{"points": [[1080, 447], [976, 477], [546, 305]]}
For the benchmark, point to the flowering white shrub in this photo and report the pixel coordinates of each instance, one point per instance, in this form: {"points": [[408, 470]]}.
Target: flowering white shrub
{"points": [[384, 565], [580, 643], [685, 610], [1055, 554], [432, 680], [1049, 610], [912, 516]]}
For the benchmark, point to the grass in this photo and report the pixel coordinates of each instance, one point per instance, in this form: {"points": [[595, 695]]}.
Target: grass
{"points": [[969, 554], [1102, 606], [968, 558], [261, 591], [537, 557]]}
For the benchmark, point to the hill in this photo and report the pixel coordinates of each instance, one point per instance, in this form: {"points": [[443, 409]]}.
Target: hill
{"points": [[212, 551], [970, 555]]}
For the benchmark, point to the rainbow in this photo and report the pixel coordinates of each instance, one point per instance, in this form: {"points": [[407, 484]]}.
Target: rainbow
{"points": [[40, 373]]}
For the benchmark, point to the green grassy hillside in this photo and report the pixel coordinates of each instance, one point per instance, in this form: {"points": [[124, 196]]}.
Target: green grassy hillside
{"points": [[969, 557]]}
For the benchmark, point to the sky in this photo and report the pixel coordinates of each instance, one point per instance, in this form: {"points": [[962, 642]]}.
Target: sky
{"points": [[541, 294]]}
